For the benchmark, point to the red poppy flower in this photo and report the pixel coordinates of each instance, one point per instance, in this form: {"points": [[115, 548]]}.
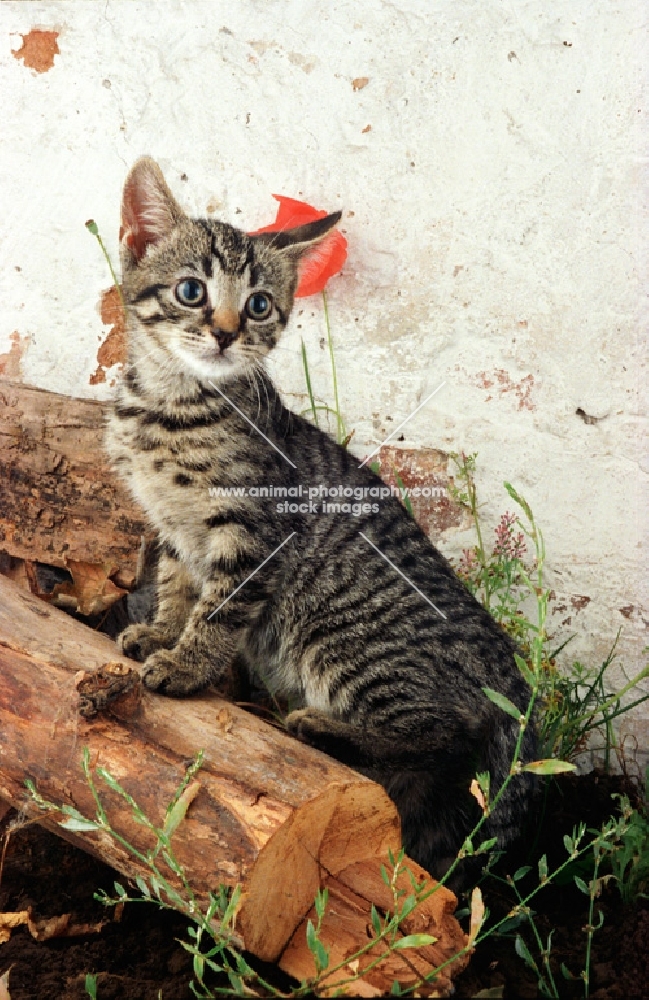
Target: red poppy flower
{"points": [[327, 257]]}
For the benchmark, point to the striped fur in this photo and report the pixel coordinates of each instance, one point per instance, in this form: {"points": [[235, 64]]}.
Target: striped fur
{"points": [[389, 684]]}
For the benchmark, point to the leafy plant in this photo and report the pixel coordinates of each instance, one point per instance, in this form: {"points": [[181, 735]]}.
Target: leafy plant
{"points": [[605, 843], [575, 702], [630, 864], [578, 704]]}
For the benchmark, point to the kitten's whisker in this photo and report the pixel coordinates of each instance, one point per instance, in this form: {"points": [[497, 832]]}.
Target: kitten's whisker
{"points": [[265, 388], [252, 382]]}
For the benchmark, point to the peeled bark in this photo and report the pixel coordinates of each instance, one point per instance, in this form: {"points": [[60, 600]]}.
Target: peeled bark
{"points": [[272, 814], [60, 502]]}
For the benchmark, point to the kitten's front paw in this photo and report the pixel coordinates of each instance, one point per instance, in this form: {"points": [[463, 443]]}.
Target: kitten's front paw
{"points": [[309, 725], [140, 640], [163, 671]]}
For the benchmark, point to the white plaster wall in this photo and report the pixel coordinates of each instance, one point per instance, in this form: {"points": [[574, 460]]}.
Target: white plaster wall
{"points": [[495, 213]]}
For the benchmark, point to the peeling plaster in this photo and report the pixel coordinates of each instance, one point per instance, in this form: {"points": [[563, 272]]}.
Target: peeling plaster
{"points": [[38, 49], [112, 351], [10, 363]]}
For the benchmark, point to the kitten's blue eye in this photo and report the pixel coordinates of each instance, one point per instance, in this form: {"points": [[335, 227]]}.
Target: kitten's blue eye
{"points": [[191, 292], [259, 305]]}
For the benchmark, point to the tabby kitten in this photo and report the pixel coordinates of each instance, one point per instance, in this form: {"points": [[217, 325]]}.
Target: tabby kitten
{"points": [[390, 680]]}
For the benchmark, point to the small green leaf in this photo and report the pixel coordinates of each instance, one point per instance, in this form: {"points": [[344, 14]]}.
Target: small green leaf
{"points": [[242, 966], [413, 941], [236, 982], [486, 845], [90, 985], [321, 956], [396, 989], [78, 825], [581, 885], [92, 227], [120, 890], [176, 814], [523, 952], [550, 766], [311, 938], [232, 906], [376, 920], [520, 501], [521, 872], [567, 843], [111, 782], [502, 702], [384, 875], [408, 906], [511, 923], [467, 846], [566, 973], [524, 669], [143, 887], [199, 966], [543, 868], [321, 902]]}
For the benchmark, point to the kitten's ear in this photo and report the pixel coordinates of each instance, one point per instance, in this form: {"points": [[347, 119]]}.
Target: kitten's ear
{"points": [[298, 241], [309, 247], [149, 210]]}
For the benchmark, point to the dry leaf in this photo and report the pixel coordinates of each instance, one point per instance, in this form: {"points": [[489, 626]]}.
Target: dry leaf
{"points": [[4, 984], [91, 591], [477, 916], [10, 920], [224, 720], [42, 930], [360, 82], [476, 792]]}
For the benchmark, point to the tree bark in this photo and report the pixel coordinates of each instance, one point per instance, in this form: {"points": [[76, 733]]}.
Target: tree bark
{"points": [[272, 814], [60, 502]]}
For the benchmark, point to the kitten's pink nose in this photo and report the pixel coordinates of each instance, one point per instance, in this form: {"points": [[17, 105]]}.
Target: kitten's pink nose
{"points": [[225, 327]]}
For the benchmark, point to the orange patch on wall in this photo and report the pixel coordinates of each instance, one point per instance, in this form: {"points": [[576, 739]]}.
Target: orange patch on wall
{"points": [[113, 350], [10, 362], [38, 49], [504, 383], [423, 468]]}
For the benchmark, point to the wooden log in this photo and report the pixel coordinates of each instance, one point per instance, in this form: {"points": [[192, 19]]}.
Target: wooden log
{"points": [[60, 502], [272, 814]]}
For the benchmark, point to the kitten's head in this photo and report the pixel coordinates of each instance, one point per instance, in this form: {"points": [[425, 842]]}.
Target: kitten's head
{"points": [[210, 300]]}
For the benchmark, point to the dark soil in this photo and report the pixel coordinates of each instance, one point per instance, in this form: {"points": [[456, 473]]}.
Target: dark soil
{"points": [[138, 956]]}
